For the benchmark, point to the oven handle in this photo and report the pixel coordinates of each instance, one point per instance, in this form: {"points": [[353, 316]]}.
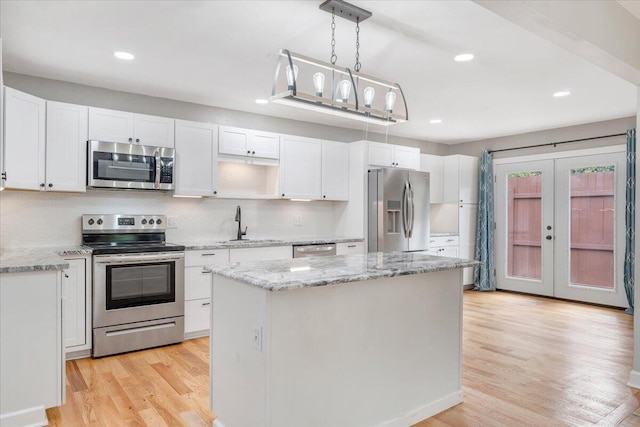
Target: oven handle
{"points": [[128, 259]]}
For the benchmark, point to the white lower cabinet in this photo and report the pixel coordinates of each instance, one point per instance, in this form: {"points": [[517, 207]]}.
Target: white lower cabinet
{"points": [[76, 290], [446, 246], [350, 248], [261, 254], [31, 350], [197, 289]]}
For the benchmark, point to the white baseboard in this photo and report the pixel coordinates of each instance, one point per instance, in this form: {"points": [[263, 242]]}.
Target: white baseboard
{"points": [[196, 334], [30, 417], [426, 411], [634, 379], [78, 354]]}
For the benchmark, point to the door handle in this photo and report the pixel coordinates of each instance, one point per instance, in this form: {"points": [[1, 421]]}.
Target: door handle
{"points": [[548, 237], [158, 170]]}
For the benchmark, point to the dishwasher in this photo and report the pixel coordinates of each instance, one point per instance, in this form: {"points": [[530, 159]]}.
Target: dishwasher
{"points": [[304, 251]]}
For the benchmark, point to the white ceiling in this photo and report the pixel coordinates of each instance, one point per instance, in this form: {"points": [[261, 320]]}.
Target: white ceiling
{"points": [[222, 53]]}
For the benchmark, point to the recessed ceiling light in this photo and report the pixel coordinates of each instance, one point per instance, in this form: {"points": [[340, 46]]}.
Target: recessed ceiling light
{"points": [[463, 57], [561, 93], [435, 121], [262, 101], [124, 55]]}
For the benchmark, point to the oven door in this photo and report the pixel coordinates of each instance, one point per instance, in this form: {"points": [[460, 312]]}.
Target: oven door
{"points": [[116, 165], [137, 287]]}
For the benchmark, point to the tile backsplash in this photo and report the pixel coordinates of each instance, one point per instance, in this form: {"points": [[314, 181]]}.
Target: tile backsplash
{"points": [[31, 218]]}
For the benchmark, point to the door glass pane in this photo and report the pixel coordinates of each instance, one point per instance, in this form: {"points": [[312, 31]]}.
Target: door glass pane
{"points": [[524, 225], [592, 226]]}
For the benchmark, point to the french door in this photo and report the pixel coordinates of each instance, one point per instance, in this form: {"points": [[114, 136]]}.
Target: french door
{"points": [[560, 228]]}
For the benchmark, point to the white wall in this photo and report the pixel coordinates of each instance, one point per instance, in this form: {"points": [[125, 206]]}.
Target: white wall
{"points": [[31, 218]]}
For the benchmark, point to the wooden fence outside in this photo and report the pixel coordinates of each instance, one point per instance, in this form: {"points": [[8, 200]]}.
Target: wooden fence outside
{"points": [[592, 228]]}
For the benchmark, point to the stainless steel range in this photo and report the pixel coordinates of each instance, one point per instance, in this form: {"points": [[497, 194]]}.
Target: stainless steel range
{"points": [[138, 283]]}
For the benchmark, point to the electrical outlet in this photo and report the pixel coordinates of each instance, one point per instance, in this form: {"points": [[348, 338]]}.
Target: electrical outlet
{"points": [[256, 337], [172, 222], [297, 220]]}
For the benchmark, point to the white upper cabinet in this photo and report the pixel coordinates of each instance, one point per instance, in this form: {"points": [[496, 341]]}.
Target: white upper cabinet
{"points": [[460, 179], [249, 143], [44, 157], [407, 157], [300, 168], [434, 165], [394, 156], [110, 125], [24, 150], [121, 126], [66, 147], [335, 170], [196, 155]]}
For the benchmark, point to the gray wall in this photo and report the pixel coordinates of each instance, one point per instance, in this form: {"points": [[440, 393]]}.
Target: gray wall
{"points": [[588, 130], [57, 90]]}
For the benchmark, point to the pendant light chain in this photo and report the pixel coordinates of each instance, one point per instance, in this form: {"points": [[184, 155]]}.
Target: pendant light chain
{"points": [[334, 57], [358, 64]]}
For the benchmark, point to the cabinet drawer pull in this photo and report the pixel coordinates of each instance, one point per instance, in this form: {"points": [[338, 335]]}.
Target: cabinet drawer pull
{"points": [[206, 303], [451, 240], [207, 254], [351, 246]]}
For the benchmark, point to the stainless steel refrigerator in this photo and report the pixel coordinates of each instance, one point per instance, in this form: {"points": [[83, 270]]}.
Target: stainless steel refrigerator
{"points": [[398, 210]]}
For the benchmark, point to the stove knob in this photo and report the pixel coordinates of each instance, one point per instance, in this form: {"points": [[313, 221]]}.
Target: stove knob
{"points": [[99, 222], [159, 221], [91, 221], [144, 221], [151, 221]]}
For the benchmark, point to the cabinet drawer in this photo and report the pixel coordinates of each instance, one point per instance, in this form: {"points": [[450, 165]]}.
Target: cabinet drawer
{"points": [[350, 248], [196, 315], [443, 241], [196, 283], [206, 257]]}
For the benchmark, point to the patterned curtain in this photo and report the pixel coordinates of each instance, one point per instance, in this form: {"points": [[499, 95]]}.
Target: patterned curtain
{"points": [[629, 219], [483, 275]]}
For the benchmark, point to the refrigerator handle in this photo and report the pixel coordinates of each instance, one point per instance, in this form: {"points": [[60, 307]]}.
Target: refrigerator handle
{"points": [[412, 211], [405, 208]]}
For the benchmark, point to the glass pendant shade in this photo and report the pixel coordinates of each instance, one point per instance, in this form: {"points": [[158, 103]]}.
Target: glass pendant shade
{"points": [[318, 83], [389, 101], [369, 93], [345, 90], [292, 76]]}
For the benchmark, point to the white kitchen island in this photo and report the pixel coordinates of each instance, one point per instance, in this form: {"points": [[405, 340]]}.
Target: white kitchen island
{"points": [[342, 341]]}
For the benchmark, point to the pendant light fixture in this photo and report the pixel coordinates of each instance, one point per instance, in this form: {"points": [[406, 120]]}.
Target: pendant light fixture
{"points": [[303, 83]]}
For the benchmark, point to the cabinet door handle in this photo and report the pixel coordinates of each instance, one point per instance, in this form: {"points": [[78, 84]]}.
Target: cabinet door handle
{"points": [[253, 152], [206, 303], [248, 151], [138, 140], [42, 185], [130, 139], [50, 185]]}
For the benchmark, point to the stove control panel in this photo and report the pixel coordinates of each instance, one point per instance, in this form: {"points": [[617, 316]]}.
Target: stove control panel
{"points": [[117, 223]]}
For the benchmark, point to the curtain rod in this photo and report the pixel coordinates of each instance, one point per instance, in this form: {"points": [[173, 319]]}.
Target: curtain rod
{"points": [[558, 143]]}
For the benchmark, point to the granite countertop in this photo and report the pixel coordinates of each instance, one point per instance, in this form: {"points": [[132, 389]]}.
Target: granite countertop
{"points": [[320, 271], [20, 260], [258, 243]]}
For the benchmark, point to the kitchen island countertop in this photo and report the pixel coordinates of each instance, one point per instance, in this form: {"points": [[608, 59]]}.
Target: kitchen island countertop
{"points": [[42, 258], [320, 271]]}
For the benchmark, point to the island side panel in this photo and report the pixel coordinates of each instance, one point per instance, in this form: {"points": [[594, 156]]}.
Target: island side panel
{"points": [[237, 363], [383, 352]]}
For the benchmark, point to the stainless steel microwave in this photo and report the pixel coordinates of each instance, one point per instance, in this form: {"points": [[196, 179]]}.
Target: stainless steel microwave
{"points": [[130, 166]]}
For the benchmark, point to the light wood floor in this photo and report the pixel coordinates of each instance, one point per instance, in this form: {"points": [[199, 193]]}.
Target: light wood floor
{"points": [[527, 361]]}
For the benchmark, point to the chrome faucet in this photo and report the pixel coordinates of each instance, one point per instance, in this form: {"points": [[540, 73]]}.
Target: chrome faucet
{"points": [[239, 221]]}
